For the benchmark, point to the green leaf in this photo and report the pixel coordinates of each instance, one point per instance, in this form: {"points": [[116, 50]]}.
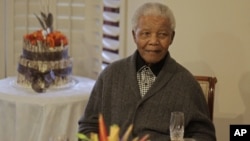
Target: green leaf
{"points": [[82, 137]]}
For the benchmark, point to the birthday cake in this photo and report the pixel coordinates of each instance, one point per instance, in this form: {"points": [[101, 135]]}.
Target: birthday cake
{"points": [[44, 61]]}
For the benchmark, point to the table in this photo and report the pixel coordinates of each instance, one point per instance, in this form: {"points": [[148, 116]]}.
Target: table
{"points": [[28, 116]]}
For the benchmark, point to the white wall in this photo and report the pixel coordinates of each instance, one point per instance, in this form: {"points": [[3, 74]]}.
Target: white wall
{"points": [[213, 38], [2, 43]]}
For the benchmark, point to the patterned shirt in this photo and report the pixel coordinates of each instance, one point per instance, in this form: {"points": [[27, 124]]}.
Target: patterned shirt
{"points": [[145, 78]]}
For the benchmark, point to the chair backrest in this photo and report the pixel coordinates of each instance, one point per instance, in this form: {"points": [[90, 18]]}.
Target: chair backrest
{"points": [[208, 86]]}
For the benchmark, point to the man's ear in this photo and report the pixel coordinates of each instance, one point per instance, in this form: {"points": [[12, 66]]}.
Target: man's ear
{"points": [[133, 33], [172, 37]]}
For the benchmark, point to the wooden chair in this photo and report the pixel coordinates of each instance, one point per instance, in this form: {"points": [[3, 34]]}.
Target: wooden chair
{"points": [[208, 86]]}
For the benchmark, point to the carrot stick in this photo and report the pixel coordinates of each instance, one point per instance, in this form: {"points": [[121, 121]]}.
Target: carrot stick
{"points": [[102, 129], [127, 133], [144, 138]]}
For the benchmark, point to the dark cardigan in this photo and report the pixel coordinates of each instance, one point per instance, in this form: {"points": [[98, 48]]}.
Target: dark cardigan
{"points": [[116, 95]]}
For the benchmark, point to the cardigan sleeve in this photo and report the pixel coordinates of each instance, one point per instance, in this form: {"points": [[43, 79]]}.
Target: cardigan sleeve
{"points": [[199, 125], [89, 120]]}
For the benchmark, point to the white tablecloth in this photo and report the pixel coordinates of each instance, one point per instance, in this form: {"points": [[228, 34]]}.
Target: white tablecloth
{"points": [[28, 116]]}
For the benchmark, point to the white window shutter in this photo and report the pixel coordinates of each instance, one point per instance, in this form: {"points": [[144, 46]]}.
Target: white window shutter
{"points": [[18, 21], [112, 31]]}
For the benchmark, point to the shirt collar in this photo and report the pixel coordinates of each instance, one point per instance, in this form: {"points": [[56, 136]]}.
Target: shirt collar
{"points": [[156, 68]]}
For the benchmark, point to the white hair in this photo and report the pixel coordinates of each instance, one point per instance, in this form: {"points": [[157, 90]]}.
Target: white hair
{"points": [[156, 9]]}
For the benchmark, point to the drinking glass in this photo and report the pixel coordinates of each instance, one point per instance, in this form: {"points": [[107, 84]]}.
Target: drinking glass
{"points": [[176, 126]]}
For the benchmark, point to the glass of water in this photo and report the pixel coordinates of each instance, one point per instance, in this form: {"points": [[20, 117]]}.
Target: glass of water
{"points": [[176, 126]]}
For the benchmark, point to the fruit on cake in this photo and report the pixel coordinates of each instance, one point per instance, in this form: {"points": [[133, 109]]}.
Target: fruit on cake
{"points": [[44, 61]]}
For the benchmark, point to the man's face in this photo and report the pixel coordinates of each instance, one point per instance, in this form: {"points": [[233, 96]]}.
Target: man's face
{"points": [[153, 36]]}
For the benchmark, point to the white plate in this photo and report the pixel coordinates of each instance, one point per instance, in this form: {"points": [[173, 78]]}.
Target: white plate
{"points": [[70, 84]]}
